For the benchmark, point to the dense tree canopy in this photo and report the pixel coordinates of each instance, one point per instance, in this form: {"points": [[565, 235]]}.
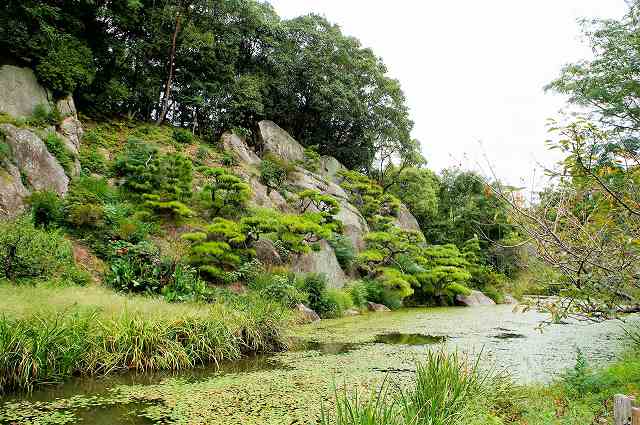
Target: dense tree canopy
{"points": [[211, 66]]}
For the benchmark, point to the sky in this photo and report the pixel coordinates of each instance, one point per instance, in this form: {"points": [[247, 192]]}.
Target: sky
{"points": [[473, 71]]}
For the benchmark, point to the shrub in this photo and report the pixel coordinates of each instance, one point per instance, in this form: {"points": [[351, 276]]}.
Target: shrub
{"points": [[315, 285], [359, 293], [44, 115], [229, 193], [67, 65], [56, 147], [493, 293], [27, 252], [92, 161], [343, 247], [274, 173], [281, 289], [86, 215], [185, 286], [378, 293], [136, 268], [339, 302], [183, 136], [47, 208], [311, 159]]}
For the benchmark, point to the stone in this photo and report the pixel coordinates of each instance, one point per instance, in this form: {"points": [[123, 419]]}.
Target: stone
{"points": [[20, 91], [474, 299], [355, 226], [277, 142], [330, 168], [510, 300], [267, 253], [260, 197], [71, 129], [67, 107], [322, 261], [352, 312], [13, 194], [41, 169], [306, 314], [237, 147], [378, 308], [406, 221]]}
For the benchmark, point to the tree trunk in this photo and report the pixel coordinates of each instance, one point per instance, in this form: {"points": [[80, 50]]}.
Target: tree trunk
{"points": [[172, 57]]}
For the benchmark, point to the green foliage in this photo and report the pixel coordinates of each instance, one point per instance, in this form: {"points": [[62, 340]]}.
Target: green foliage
{"points": [[44, 115], [136, 268], [344, 250], [443, 266], [185, 286], [218, 249], [66, 66], [229, 193], [55, 145], [92, 161], [418, 189], [359, 293], [315, 285], [325, 205], [183, 136], [47, 209], [311, 159], [338, 301], [273, 173], [280, 288], [376, 206], [29, 253]]}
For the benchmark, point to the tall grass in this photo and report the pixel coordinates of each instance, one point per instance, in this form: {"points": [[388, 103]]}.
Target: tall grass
{"points": [[50, 347], [445, 386]]}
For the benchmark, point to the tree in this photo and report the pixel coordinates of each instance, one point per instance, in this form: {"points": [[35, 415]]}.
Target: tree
{"points": [[445, 269], [377, 207], [326, 206], [229, 193], [418, 189]]}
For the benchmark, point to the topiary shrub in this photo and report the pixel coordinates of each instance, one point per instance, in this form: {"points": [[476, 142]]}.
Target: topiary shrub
{"points": [[274, 173], [229, 193]]}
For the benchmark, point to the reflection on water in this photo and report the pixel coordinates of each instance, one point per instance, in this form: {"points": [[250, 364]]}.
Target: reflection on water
{"points": [[398, 338]]}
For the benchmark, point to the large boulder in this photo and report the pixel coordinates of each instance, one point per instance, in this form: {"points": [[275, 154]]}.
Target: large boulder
{"points": [[378, 308], [322, 261], [267, 253], [12, 192], [277, 142], [474, 299], [406, 221], [20, 91], [307, 315], [355, 226], [41, 169], [330, 168], [67, 107], [237, 147]]}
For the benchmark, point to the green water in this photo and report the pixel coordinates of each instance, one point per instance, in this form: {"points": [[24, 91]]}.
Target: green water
{"points": [[357, 352]]}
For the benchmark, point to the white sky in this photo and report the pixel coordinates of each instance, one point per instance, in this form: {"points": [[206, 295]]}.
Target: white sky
{"points": [[473, 71]]}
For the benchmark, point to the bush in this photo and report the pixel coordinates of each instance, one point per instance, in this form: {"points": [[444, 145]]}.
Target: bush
{"points": [[343, 247], [137, 268], [283, 290], [185, 286], [56, 147], [47, 208], [92, 161], [315, 285], [44, 115], [67, 65], [274, 173], [338, 302], [493, 293], [378, 293], [183, 136], [359, 293], [27, 252]]}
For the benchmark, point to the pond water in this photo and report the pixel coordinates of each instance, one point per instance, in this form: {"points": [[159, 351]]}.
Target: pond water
{"points": [[289, 387]]}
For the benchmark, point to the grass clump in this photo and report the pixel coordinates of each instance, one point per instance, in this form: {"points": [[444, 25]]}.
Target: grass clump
{"points": [[51, 346], [56, 147]]}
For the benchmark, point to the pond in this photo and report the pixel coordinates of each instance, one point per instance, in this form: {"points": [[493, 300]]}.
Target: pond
{"points": [[289, 388]]}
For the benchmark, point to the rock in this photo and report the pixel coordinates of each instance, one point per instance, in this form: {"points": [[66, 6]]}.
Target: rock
{"points": [[306, 314], [378, 308], [475, 299], [330, 167], [406, 221], [267, 253], [67, 107], [352, 312], [510, 300], [259, 196], [12, 192], [20, 91], [237, 147], [278, 142], [323, 261], [355, 226], [41, 169], [71, 129]]}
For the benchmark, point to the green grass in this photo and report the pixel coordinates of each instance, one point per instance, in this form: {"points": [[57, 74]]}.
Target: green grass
{"points": [[84, 331]]}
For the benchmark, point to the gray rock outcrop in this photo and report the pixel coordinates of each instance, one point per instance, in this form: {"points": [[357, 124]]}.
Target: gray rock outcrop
{"points": [[12, 192], [378, 308], [237, 147], [474, 299], [41, 169], [330, 168], [322, 261], [406, 221], [20, 91], [307, 315], [267, 253], [276, 141]]}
